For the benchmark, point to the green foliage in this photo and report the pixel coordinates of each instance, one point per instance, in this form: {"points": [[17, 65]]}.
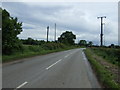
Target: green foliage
{"points": [[31, 41], [90, 43], [83, 43], [33, 50], [110, 54], [0, 17], [103, 75], [53, 46], [67, 38], [10, 29], [0, 10]]}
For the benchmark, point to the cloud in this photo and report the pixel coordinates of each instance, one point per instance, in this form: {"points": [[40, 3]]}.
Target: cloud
{"points": [[80, 18]]}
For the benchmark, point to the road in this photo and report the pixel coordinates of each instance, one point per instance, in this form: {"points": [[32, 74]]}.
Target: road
{"points": [[66, 69]]}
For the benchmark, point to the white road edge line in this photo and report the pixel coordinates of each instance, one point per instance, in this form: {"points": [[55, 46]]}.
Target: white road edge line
{"points": [[84, 56], [21, 85], [53, 64]]}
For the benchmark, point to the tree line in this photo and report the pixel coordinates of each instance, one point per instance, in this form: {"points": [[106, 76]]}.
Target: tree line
{"points": [[11, 27]]}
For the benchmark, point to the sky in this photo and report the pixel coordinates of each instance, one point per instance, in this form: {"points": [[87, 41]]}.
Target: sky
{"points": [[78, 17]]}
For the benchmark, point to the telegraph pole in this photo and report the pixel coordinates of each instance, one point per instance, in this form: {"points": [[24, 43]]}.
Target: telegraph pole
{"points": [[47, 32], [104, 35], [55, 33], [101, 35]]}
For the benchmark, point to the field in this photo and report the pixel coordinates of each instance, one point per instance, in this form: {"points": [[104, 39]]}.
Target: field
{"points": [[104, 62]]}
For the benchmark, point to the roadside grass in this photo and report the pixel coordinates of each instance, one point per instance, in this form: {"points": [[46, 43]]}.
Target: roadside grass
{"points": [[105, 77], [112, 55], [34, 50]]}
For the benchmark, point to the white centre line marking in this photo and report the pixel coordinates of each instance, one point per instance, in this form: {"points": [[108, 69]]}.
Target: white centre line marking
{"points": [[22, 85], [53, 64], [66, 56]]}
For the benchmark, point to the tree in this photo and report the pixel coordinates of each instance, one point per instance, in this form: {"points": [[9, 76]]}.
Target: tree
{"points": [[112, 45], [67, 38], [82, 43], [30, 41], [10, 29], [90, 43]]}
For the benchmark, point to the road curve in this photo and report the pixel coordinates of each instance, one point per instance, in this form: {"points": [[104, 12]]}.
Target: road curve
{"points": [[66, 69]]}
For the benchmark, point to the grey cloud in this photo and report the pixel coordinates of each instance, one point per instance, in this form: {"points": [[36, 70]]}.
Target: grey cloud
{"points": [[68, 16]]}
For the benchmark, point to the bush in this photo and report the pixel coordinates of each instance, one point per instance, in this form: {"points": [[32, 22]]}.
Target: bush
{"points": [[53, 46]]}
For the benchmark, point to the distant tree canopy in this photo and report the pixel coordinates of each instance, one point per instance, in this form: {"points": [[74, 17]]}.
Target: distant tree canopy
{"points": [[82, 43], [85, 43], [67, 38], [31, 41], [90, 43], [10, 29]]}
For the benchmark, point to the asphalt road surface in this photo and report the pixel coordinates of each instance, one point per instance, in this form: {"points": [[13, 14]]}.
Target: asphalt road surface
{"points": [[66, 69]]}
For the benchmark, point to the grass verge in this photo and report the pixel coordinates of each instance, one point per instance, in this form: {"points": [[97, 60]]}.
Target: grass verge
{"points": [[104, 76], [111, 55], [30, 51]]}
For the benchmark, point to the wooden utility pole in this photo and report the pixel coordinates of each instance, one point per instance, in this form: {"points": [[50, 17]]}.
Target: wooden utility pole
{"points": [[55, 33], [101, 35], [47, 32]]}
